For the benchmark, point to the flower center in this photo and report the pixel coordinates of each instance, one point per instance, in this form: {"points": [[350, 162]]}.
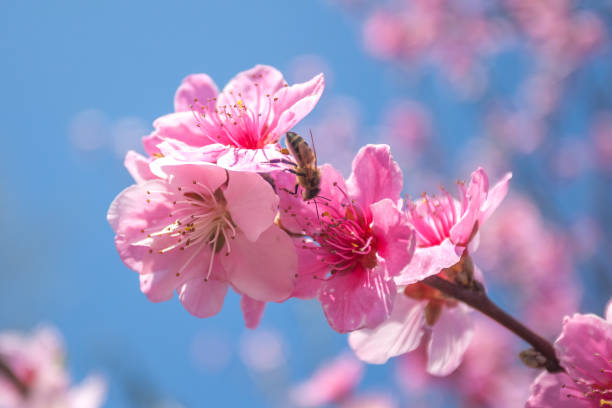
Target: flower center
{"points": [[345, 238], [432, 218], [198, 219], [590, 387], [236, 123]]}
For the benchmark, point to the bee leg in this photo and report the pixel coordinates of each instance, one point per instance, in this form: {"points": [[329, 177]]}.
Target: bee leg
{"points": [[283, 161], [294, 193]]}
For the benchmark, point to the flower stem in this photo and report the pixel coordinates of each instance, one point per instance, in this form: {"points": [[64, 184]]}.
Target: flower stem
{"points": [[6, 371], [476, 297]]}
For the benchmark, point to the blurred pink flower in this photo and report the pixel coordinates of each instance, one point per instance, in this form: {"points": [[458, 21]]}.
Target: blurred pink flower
{"points": [[371, 400], [407, 128], [562, 36], [444, 231], [360, 239], [488, 377], [451, 35], [508, 249], [238, 128], [332, 383], [37, 361], [585, 351], [198, 228], [602, 140]]}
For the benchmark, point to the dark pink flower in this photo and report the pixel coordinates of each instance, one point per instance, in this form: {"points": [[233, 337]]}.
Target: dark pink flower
{"points": [[198, 228], [585, 351], [444, 229], [238, 128], [356, 239]]}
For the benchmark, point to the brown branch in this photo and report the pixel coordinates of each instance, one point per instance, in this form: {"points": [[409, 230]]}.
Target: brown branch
{"points": [[477, 298], [10, 375]]}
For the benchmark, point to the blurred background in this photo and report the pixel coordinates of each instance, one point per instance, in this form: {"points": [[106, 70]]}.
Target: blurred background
{"points": [[511, 85]]}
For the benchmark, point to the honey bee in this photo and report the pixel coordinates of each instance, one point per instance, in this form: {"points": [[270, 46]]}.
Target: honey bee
{"points": [[305, 168]]}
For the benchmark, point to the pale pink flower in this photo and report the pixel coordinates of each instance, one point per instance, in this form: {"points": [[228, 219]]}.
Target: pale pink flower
{"points": [[330, 384], [585, 351], [238, 128], [199, 228], [444, 230], [37, 361], [359, 239]]}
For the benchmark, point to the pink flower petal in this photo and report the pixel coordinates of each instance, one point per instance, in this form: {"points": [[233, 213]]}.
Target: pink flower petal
{"points": [[203, 298], [181, 126], [162, 274], [297, 215], [357, 299], [494, 198], [252, 310], [264, 270], [609, 312], [254, 160], [128, 215], [583, 342], [252, 203], [476, 195], [375, 176], [138, 167], [395, 238], [295, 102], [450, 337], [199, 86], [186, 174], [551, 391], [429, 261], [310, 271], [269, 80], [399, 334]]}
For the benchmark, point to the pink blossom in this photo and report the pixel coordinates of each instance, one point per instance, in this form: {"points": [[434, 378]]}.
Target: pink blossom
{"points": [[331, 383], [358, 239], [445, 229], [238, 128], [37, 361], [198, 228], [585, 351]]}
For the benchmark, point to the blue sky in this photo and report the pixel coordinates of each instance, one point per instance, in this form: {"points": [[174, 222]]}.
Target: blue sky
{"points": [[125, 60]]}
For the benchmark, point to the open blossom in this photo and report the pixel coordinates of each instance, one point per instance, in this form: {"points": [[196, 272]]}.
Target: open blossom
{"points": [[37, 362], [358, 239], [239, 127], [584, 349], [198, 228], [331, 383], [445, 229]]}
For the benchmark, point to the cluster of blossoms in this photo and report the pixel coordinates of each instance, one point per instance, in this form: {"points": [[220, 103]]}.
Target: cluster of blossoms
{"points": [[216, 204], [33, 374], [585, 351]]}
